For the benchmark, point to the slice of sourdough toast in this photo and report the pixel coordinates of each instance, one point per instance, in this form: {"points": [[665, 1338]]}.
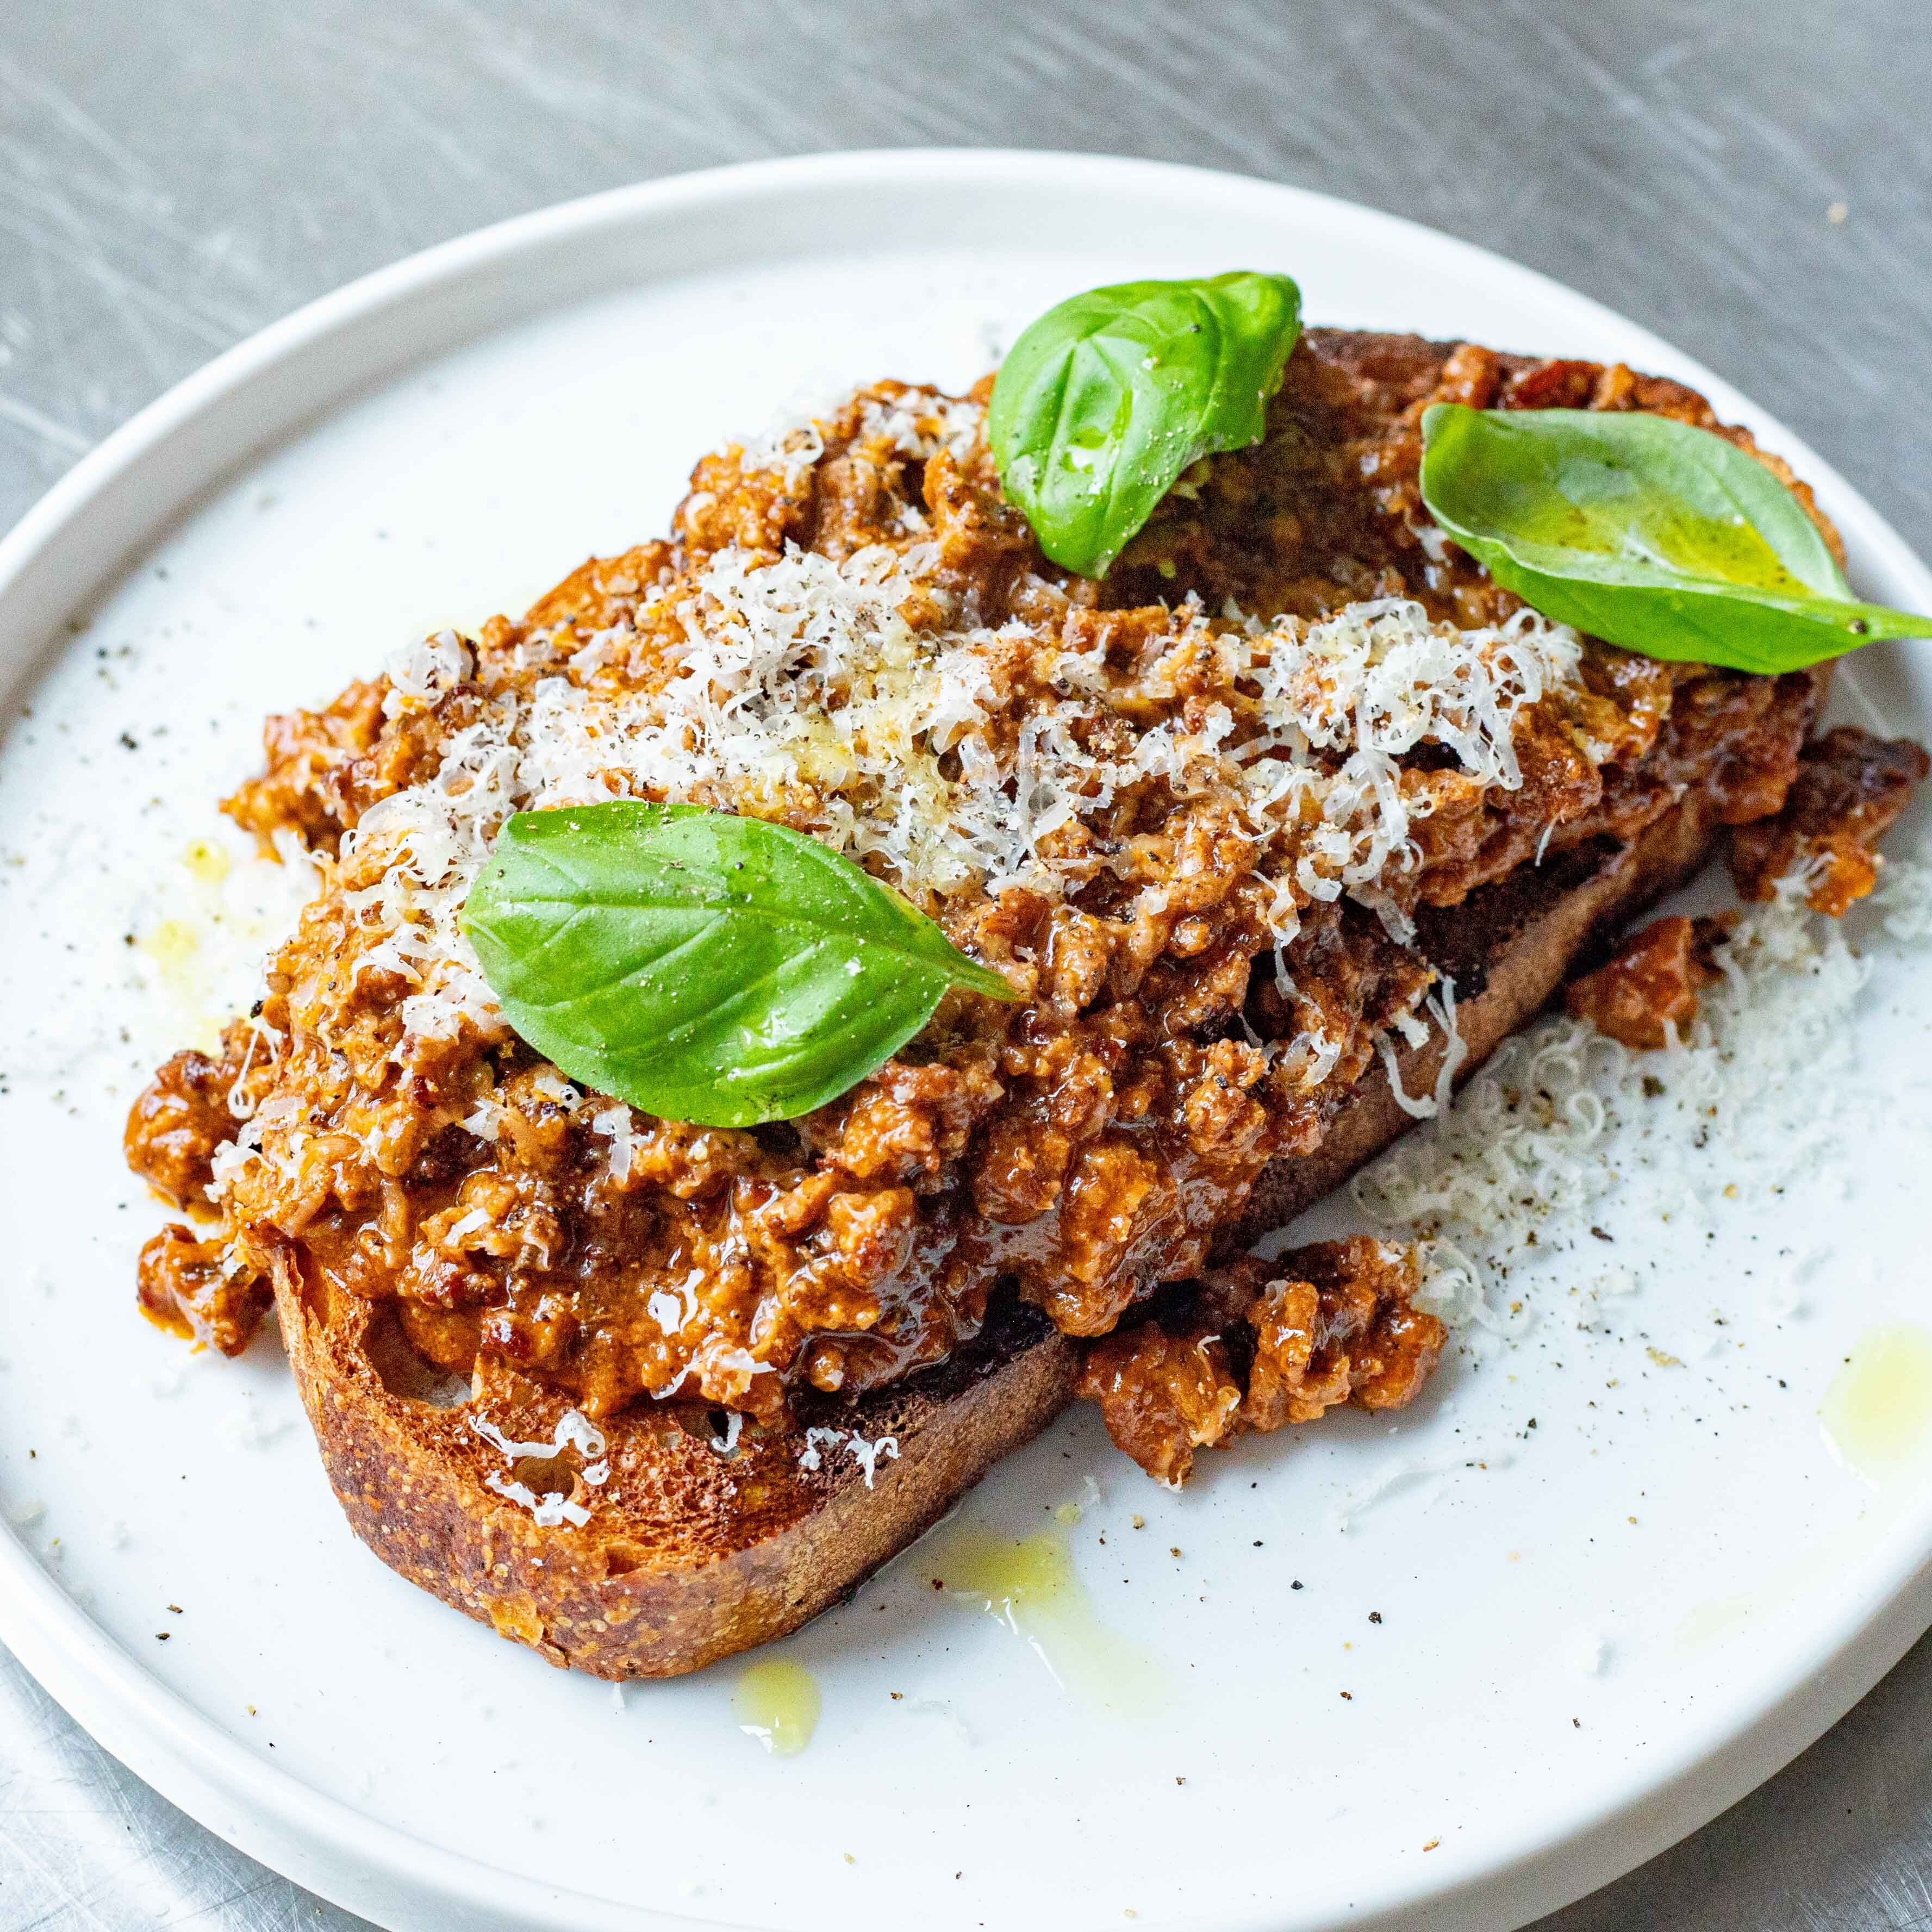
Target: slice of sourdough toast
{"points": [[693, 1547], [666, 1541]]}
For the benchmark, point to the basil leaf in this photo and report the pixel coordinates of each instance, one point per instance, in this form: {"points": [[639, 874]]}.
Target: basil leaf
{"points": [[1104, 401], [704, 967], [1666, 539]]}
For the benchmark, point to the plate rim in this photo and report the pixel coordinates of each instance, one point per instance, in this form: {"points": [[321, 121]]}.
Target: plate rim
{"points": [[156, 469]]}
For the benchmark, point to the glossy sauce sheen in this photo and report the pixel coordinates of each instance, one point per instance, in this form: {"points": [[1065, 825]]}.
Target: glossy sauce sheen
{"points": [[1086, 1145]]}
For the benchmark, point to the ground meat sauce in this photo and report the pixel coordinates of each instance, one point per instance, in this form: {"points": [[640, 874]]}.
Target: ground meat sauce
{"points": [[1259, 1345], [1850, 789], [1646, 996], [1086, 1145]]}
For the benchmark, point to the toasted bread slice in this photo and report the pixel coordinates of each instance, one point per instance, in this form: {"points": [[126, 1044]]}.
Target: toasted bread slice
{"points": [[696, 1547]]}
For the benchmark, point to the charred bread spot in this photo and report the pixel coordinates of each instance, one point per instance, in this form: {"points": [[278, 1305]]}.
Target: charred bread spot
{"points": [[455, 1235]]}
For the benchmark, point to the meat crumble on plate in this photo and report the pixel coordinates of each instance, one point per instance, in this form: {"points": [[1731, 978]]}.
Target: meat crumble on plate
{"points": [[1191, 813]]}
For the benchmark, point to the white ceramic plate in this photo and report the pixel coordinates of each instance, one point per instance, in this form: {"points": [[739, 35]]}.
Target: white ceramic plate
{"points": [[1593, 1633]]}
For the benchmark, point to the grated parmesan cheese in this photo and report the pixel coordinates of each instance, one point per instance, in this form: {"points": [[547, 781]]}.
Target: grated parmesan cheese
{"points": [[1904, 897], [808, 1457], [1561, 1115], [860, 697], [856, 697], [863, 1451], [866, 1454], [1440, 1007], [916, 423], [573, 1430], [420, 672], [614, 1124], [548, 1512]]}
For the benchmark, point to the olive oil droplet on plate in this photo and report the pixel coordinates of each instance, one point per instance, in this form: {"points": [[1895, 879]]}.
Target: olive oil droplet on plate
{"points": [[208, 862], [1877, 1416], [777, 1702], [1030, 1584]]}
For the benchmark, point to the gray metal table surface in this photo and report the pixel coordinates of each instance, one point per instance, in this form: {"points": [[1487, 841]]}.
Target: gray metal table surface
{"points": [[1749, 178]]}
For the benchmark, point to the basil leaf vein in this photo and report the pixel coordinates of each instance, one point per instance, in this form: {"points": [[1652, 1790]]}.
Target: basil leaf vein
{"points": [[1664, 538], [1106, 399], [704, 967]]}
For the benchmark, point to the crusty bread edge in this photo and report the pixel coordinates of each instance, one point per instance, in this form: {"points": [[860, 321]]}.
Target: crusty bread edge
{"points": [[687, 1556], [1522, 976]]}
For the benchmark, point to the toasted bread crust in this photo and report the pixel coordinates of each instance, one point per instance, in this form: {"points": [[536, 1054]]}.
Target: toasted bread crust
{"points": [[688, 1557], [1510, 947], [687, 1552]]}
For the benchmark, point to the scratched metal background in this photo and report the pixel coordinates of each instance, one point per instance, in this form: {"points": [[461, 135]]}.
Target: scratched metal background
{"points": [[1749, 178]]}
